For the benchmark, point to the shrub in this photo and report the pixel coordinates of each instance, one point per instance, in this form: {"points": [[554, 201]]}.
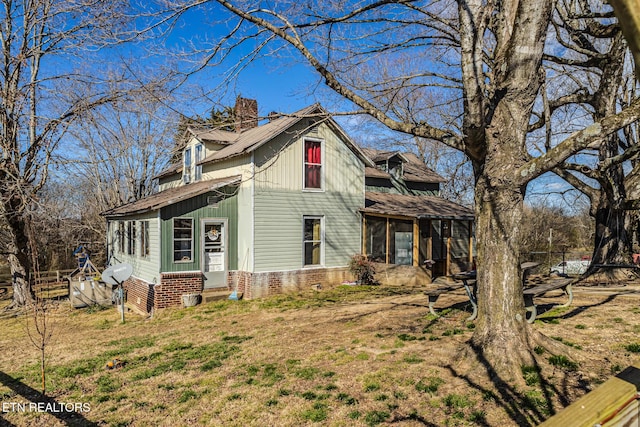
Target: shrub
{"points": [[363, 270]]}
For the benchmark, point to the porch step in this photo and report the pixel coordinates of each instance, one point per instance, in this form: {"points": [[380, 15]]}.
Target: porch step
{"points": [[209, 295]]}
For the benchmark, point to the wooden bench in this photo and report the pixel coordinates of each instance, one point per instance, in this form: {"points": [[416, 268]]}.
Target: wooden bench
{"points": [[434, 294], [541, 289], [467, 280]]}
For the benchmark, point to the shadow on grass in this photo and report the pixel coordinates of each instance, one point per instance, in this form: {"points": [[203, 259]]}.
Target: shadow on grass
{"points": [[412, 417], [577, 310], [383, 306], [524, 408], [70, 418]]}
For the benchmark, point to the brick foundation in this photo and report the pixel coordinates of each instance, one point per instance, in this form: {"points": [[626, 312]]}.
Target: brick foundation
{"points": [[146, 297], [258, 285], [139, 294], [173, 285]]}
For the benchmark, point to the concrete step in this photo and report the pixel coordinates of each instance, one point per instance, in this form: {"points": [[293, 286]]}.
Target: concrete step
{"points": [[209, 295]]}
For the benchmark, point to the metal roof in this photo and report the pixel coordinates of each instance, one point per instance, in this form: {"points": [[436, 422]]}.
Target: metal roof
{"points": [[214, 135], [238, 143], [414, 206], [414, 169], [250, 139], [170, 196], [370, 172]]}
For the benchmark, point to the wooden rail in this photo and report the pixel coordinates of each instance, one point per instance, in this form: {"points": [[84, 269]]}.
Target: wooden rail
{"points": [[46, 279], [613, 403]]}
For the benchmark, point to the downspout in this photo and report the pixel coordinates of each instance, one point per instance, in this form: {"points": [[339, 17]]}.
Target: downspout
{"points": [[109, 234], [252, 264], [160, 243]]}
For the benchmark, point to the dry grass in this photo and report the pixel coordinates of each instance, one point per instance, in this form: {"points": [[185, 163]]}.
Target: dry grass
{"points": [[342, 357]]}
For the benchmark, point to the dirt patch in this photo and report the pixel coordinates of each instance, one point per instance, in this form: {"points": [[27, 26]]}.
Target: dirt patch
{"points": [[346, 356]]}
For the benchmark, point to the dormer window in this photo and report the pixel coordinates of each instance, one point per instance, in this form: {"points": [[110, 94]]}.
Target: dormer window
{"points": [[312, 164], [198, 168], [395, 169], [187, 162]]}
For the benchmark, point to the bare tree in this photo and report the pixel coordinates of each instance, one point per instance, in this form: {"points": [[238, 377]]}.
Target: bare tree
{"points": [[485, 57], [120, 148], [40, 328], [46, 82], [595, 51]]}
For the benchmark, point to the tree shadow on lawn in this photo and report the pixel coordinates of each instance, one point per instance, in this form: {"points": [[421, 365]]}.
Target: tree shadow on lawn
{"points": [[391, 305], [524, 409], [577, 310], [70, 418]]}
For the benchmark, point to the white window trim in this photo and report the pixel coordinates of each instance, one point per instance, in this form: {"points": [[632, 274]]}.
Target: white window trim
{"points": [[322, 241], [323, 163], [144, 238], [187, 162], [198, 155], [121, 232], [132, 238], [173, 239]]}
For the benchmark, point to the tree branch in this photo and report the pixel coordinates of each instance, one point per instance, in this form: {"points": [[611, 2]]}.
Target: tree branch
{"points": [[289, 34], [589, 137]]}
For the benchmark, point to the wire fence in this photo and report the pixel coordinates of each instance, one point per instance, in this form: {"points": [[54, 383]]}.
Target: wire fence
{"points": [[549, 259]]}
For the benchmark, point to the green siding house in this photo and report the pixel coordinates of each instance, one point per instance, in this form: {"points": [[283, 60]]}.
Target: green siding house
{"points": [[281, 205], [258, 210], [407, 222]]}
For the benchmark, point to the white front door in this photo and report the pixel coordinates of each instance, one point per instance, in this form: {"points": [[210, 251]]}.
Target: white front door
{"points": [[214, 256]]}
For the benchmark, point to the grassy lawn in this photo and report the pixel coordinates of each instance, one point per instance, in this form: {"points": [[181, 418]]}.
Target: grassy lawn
{"points": [[340, 357]]}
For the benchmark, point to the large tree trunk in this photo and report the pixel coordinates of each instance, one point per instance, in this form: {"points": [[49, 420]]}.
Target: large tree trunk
{"points": [[19, 262], [498, 150], [612, 241], [502, 333]]}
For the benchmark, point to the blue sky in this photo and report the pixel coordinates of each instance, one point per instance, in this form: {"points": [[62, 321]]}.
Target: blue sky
{"points": [[284, 85]]}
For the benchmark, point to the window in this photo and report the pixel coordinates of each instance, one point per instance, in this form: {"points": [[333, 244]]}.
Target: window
{"points": [[313, 240], [460, 239], [120, 236], [131, 238], [437, 240], [400, 242], [312, 164], [376, 244], [186, 171], [144, 238], [197, 167], [182, 239]]}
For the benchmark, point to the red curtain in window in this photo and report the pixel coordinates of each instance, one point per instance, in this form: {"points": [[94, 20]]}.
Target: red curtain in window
{"points": [[313, 164]]}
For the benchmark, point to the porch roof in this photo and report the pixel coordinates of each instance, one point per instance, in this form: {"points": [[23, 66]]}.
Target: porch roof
{"points": [[414, 206], [170, 196]]}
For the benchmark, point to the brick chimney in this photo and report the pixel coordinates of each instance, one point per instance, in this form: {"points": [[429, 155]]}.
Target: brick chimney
{"points": [[246, 112]]}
